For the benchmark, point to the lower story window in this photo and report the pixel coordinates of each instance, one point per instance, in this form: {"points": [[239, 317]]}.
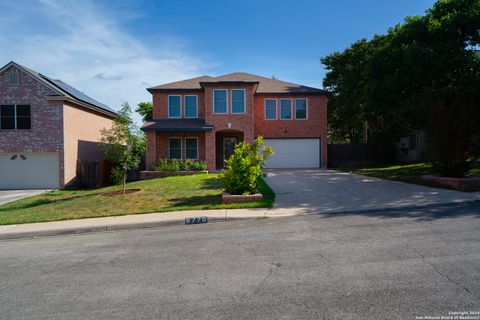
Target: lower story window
{"points": [[191, 148], [175, 148]]}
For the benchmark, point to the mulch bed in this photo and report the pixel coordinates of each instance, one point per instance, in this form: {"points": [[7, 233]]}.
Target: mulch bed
{"points": [[120, 192]]}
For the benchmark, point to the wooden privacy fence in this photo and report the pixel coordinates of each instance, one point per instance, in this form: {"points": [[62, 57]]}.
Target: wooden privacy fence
{"points": [[346, 155], [91, 174]]}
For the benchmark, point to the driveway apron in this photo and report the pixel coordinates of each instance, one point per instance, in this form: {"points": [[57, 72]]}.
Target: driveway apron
{"points": [[327, 191]]}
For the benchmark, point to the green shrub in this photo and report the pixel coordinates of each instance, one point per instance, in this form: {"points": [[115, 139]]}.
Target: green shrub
{"points": [[199, 166], [180, 165], [245, 166], [163, 165]]}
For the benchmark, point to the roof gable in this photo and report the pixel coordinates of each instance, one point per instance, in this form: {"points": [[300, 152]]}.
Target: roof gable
{"points": [[189, 84], [63, 89]]}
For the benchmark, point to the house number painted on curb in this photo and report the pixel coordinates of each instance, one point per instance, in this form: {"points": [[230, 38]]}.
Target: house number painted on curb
{"points": [[196, 220]]}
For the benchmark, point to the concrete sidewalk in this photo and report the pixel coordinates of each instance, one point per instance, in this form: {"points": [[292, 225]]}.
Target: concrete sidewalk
{"points": [[137, 221], [7, 196]]}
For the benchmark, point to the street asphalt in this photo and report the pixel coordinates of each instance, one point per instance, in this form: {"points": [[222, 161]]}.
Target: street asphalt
{"points": [[397, 264]]}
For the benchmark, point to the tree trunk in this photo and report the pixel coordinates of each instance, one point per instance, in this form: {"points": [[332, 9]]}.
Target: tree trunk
{"points": [[124, 181]]}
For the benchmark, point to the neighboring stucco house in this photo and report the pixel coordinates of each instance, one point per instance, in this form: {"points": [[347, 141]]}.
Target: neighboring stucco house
{"points": [[45, 126], [203, 118]]}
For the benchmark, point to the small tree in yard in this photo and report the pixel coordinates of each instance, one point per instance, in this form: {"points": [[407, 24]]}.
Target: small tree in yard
{"points": [[123, 144], [245, 166]]}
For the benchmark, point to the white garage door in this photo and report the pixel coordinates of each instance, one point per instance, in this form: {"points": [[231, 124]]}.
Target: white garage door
{"points": [[294, 153], [29, 170]]}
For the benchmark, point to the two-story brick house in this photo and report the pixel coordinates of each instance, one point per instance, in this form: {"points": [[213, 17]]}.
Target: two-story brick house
{"points": [[203, 118], [45, 127]]}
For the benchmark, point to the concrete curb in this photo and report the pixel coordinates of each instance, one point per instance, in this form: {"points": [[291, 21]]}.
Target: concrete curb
{"points": [[214, 216], [44, 231]]}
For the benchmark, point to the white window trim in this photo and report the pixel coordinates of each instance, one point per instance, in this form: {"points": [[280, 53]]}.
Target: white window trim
{"points": [[198, 151], [244, 101], [306, 108], [213, 101], [280, 109], [185, 105], [265, 109], [168, 106], [181, 148]]}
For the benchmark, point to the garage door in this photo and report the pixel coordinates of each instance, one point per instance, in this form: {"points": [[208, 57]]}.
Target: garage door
{"points": [[29, 170], [294, 153]]}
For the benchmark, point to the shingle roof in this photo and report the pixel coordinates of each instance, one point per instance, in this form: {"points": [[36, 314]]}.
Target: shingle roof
{"points": [[64, 89], [189, 84], [265, 85], [174, 125]]}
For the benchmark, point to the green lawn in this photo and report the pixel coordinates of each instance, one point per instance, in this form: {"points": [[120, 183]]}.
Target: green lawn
{"points": [[202, 191], [409, 173]]}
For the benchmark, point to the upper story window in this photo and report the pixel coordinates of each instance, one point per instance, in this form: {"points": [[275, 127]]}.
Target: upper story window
{"points": [[301, 108], [191, 107], [175, 148], [220, 101], [13, 77], [15, 117], [270, 109], [174, 106], [238, 101], [285, 109]]}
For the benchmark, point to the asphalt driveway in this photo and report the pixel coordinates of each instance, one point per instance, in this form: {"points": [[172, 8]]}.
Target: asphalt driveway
{"points": [[327, 191], [12, 195]]}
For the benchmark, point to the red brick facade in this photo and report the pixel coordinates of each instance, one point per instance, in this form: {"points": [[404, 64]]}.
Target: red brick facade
{"points": [[248, 125], [315, 126], [53, 129], [46, 133]]}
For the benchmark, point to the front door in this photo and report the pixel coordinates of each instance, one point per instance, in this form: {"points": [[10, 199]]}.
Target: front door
{"points": [[228, 146]]}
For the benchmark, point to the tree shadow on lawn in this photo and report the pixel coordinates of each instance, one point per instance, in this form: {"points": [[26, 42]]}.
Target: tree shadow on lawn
{"points": [[211, 183], [196, 201]]}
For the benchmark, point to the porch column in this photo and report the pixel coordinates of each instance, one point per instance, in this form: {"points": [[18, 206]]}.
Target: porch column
{"points": [[151, 153], [210, 150]]}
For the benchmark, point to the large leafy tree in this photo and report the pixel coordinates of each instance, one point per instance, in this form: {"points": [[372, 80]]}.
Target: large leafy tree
{"points": [[145, 109], [123, 144], [422, 73], [345, 80]]}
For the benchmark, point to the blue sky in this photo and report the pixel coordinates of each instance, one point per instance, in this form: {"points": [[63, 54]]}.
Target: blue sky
{"points": [[113, 50]]}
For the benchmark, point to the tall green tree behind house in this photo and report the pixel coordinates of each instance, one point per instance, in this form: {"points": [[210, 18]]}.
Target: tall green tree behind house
{"points": [[422, 73], [123, 144], [145, 109]]}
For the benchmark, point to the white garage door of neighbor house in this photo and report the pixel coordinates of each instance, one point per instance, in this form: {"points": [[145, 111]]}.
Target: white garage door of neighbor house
{"points": [[29, 170], [294, 153]]}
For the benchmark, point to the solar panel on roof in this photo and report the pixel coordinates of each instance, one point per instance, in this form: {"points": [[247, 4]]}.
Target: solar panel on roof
{"points": [[77, 94]]}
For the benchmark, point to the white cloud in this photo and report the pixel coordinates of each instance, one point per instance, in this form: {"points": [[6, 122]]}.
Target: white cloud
{"points": [[80, 43]]}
